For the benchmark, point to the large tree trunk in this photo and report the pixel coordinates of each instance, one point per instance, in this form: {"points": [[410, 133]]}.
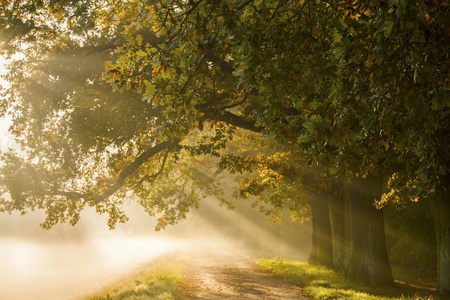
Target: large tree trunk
{"points": [[369, 261], [339, 215], [441, 214], [322, 244]]}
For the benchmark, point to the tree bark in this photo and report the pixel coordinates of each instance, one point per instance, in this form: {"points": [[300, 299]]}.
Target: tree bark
{"points": [[369, 261], [322, 244], [134, 166], [313, 255], [441, 215], [339, 215]]}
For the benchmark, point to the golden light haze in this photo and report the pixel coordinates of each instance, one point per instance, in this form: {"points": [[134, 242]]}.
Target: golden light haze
{"points": [[65, 262]]}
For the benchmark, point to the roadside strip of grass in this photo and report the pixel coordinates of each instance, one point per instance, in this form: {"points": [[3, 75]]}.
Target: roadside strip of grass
{"points": [[322, 283], [161, 279]]}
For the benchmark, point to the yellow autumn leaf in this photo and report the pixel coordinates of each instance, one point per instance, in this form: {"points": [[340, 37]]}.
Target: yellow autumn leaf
{"points": [[355, 16], [378, 59], [368, 63]]}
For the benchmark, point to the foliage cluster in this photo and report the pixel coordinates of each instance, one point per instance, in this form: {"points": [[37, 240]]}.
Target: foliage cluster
{"points": [[357, 87]]}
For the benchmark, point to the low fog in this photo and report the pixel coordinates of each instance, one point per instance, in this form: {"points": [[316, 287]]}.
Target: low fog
{"points": [[66, 262]]}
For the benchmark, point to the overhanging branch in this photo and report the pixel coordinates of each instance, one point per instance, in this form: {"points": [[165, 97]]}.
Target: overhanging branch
{"points": [[131, 168], [161, 169], [231, 119], [212, 114]]}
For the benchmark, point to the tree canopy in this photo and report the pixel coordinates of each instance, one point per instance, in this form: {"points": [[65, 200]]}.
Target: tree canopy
{"points": [[112, 99], [116, 96]]}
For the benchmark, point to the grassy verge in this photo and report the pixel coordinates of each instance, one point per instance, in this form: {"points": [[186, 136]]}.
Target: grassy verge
{"points": [[160, 280], [323, 283]]}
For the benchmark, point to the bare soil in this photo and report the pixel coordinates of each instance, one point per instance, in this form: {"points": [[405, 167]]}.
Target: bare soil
{"points": [[222, 276]]}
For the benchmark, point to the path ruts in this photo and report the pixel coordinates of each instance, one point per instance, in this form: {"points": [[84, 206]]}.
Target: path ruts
{"points": [[213, 276]]}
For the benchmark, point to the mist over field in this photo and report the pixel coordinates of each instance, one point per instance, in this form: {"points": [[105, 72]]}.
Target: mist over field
{"points": [[65, 261]]}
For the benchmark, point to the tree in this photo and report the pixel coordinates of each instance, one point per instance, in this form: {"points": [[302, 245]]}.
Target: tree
{"points": [[77, 135]]}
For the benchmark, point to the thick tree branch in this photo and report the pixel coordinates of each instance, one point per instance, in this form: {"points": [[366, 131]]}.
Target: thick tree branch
{"points": [[243, 5], [131, 168], [237, 104], [231, 119], [153, 176], [212, 114]]}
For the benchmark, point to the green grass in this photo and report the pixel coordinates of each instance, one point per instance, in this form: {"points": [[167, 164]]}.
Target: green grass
{"points": [[323, 283], [160, 280], [425, 279]]}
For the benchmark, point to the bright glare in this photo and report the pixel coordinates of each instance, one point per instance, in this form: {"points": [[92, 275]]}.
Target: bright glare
{"points": [[61, 270], [66, 262]]}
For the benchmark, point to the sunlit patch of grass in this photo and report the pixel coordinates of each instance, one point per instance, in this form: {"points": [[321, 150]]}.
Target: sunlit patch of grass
{"points": [[421, 279], [159, 281], [323, 283]]}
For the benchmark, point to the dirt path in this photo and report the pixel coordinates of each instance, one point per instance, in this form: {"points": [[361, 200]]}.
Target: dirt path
{"points": [[218, 276]]}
